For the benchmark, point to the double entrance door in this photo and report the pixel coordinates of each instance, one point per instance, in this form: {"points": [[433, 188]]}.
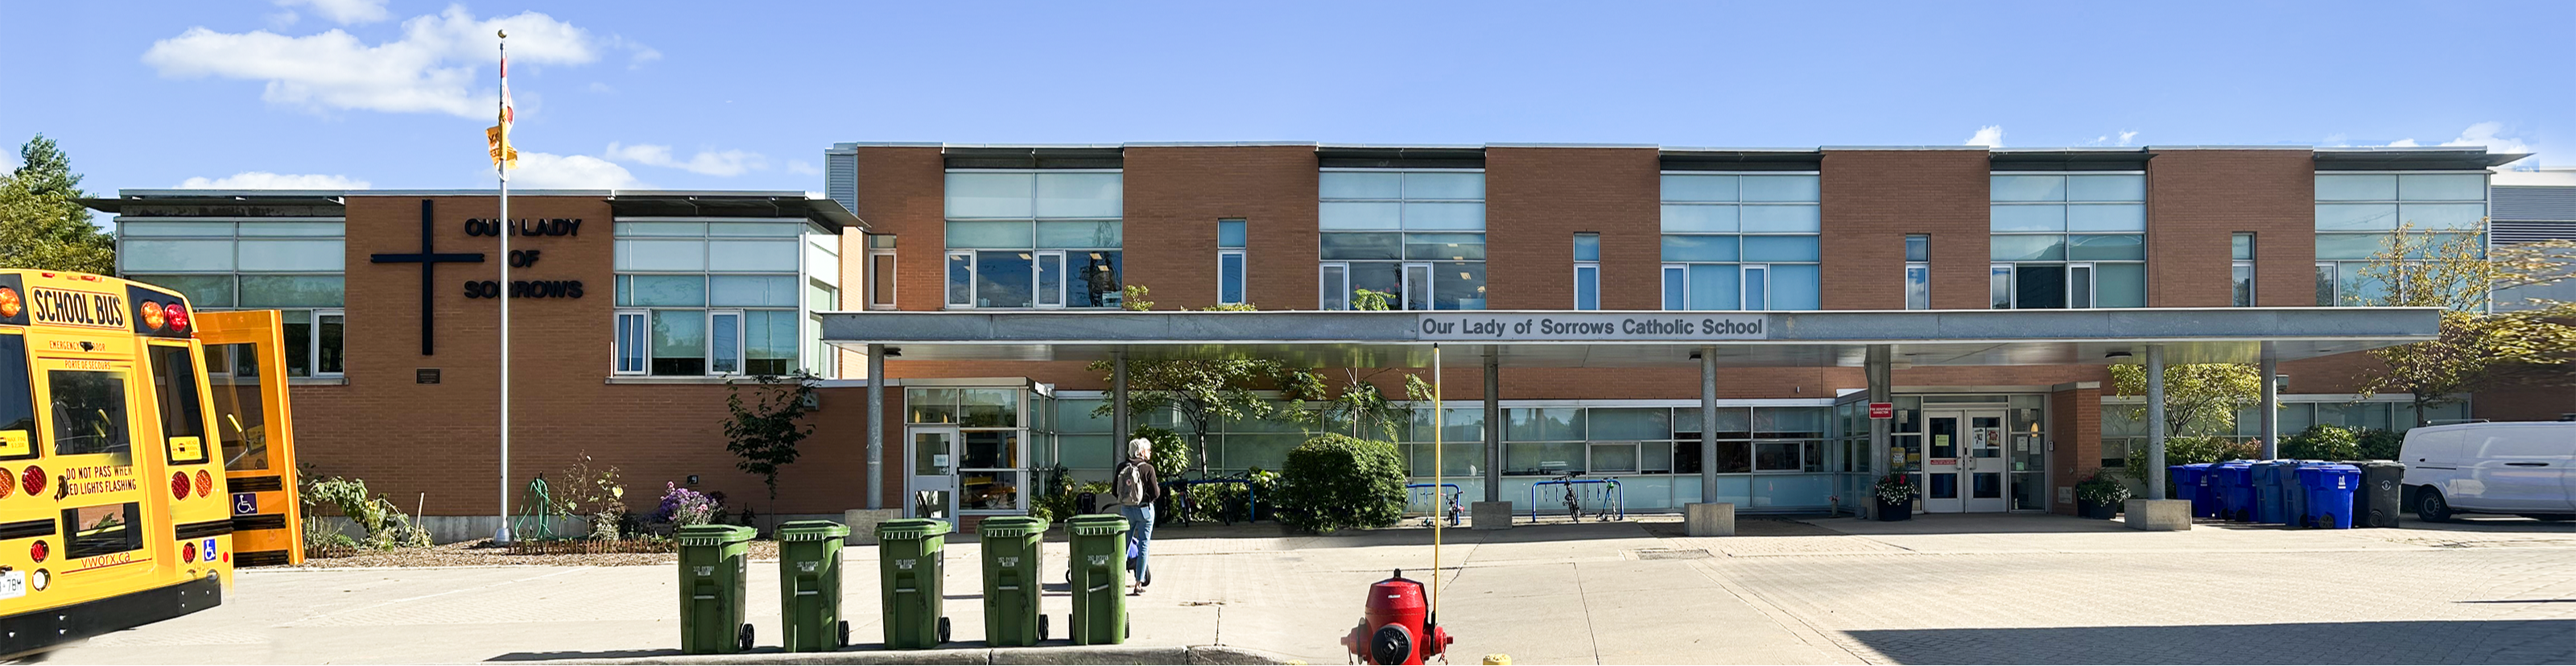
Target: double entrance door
{"points": [[976, 470], [1964, 466]]}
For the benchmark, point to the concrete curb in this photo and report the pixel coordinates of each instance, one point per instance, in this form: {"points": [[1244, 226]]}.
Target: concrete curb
{"points": [[1052, 654]]}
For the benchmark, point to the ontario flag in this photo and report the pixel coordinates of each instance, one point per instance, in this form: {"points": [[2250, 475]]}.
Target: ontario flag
{"points": [[503, 155]]}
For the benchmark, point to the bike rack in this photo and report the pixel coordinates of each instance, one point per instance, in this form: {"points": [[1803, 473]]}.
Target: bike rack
{"points": [[1438, 507], [1251, 497], [1612, 489]]}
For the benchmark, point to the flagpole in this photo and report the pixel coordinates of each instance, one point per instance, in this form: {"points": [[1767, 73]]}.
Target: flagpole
{"points": [[502, 167]]}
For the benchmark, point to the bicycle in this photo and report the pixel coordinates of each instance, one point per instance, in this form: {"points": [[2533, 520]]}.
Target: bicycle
{"points": [[1457, 512], [1611, 507], [1573, 502]]}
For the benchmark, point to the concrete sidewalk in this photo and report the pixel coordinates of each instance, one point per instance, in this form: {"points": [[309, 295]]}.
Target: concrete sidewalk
{"points": [[1634, 592]]}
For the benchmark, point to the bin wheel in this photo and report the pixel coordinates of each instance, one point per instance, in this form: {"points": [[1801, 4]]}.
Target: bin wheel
{"points": [[1042, 627], [943, 630], [2325, 521], [845, 635], [743, 641]]}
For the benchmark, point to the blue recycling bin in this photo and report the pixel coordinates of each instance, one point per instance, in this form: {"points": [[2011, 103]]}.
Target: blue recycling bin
{"points": [[2271, 505], [2191, 482], [2294, 497], [2235, 484], [2329, 489]]}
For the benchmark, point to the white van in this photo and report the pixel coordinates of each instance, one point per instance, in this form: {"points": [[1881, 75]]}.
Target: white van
{"points": [[2524, 468]]}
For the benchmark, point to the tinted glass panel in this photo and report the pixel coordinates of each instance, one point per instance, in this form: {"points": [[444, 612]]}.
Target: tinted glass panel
{"points": [[2087, 248], [17, 400], [990, 194], [1700, 248], [1444, 186], [89, 412], [1453, 247], [2039, 286], [2106, 217], [1690, 218], [1359, 185], [2027, 218], [2357, 188], [2029, 248], [1341, 247], [1779, 188], [1699, 188], [988, 234], [2028, 188], [1780, 248], [1780, 219], [2106, 188], [2356, 217], [1359, 215], [2442, 187]]}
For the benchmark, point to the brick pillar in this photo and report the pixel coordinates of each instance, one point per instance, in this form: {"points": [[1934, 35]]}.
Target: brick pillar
{"points": [[2075, 440]]}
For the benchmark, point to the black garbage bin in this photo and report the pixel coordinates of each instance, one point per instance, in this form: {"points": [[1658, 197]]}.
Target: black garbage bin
{"points": [[2382, 493]]}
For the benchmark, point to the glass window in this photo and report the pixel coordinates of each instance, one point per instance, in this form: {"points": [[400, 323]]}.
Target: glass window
{"points": [[1918, 247], [2027, 188], [1918, 287], [679, 342], [752, 255], [1360, 185], [724, 343], [1714, 287], [2356, 217], [1700, 219], [631, 344], [1796, 287], [2440, 217], [1229, 233], [1074, 194], [2350, 246], [1676, 287], [998, 194], [1776, 457], [1631, 423], [1076, 235], [1453, 247], [1701, 188], [1780, 188], [769, 341], [1781, 219], [1780, 248], [1587, 246], [881, 279], [2027, 218], [2442, 187], [175, 255], [107, 529], [17, 400], [1005, 279], [292, 255], [1527, 424], [2029, 248], [2106, 217], [661, 255], [1229, 277], [1587, 286], [2117, 187], [2241, 247], [174, 395], [2088, 248], [1436, 185], [1700, 248], [2357, 187], [89, 412], [990, 233], [742, 290], [1362, 247], [287, 291], [1392, 201], [2121, 285]]}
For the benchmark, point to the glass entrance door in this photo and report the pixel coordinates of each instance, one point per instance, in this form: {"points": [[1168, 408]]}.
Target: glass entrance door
{"points": [[933, 485], [1941, 463], [1983, 461]]}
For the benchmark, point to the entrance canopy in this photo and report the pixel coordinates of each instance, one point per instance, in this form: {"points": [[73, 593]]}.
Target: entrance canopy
{"points": [[1640, 339]]}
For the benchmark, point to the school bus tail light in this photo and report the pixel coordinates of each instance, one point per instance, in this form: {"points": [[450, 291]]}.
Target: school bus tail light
{"points": [[176, 315], [151, 316], [10, 306], [188, 551], [33, 480], [205, 483], [39, 550], [179, 485], [8, 482]]}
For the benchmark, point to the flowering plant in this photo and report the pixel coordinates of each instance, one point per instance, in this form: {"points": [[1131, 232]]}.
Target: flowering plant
{"points": [[682, 506], [1895, 488]]}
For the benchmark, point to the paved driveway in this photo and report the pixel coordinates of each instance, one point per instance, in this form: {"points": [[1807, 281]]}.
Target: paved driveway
{"points": [[1943, 589]]}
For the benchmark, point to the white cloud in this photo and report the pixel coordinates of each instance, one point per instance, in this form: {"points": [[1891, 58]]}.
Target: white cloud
{"points": [[2403, 143], [344, 12], [431, 69], [2486, 134], [598, 87], [262, 180], [570, 172], [727, 163], [1990, 136], [2128, 136], [802, 168]]}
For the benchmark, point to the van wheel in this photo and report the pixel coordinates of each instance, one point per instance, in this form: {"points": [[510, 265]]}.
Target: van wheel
{"points": [[2430, 506]]}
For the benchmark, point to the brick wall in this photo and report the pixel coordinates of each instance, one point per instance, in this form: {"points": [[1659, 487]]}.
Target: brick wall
{"points": [[2197, 200], [1536, 199], [1174, 197], [2075, 441], [1873, 199]]}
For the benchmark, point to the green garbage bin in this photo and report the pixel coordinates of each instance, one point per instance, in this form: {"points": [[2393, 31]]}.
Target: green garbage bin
{"points": [[1099, 579], [712, 568], [1012, 547], [809, 586], [909, 560]]}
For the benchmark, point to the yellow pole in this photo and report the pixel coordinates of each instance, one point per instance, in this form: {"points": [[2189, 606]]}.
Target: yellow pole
{"points": [[1438, 447]]}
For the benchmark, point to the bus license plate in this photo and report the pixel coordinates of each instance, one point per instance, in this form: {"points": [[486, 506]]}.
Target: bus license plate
{"points": [[13, 584]]}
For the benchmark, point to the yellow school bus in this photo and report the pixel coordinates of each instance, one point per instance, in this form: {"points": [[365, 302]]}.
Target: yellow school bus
{"points": [[115, 509]]}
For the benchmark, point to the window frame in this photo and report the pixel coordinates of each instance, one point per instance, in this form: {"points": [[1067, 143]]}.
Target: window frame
{"points": [[1325, 280], [2009, 270], [709, 353], [618, 344], [2241, 275], [1581, 291], [886, 288], [1242, 277], [1405, 267]]}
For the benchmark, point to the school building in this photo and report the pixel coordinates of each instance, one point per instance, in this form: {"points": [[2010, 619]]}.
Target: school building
{"points": [[1988, 290]]}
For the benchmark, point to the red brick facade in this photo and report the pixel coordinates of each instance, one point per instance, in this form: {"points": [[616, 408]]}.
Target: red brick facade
{"points": [[407, 439]]}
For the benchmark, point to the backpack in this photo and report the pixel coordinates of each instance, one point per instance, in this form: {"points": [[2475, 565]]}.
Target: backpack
{"points": [[1130, 487]]}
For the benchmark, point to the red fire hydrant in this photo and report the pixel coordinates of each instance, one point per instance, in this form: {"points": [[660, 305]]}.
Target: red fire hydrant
{"points": [[1397, 627]]}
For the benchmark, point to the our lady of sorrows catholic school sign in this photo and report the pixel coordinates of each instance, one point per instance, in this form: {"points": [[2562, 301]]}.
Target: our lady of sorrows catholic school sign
{"points": [[1606, 327]]}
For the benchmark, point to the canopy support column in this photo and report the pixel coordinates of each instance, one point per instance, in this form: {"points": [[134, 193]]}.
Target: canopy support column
{"points": [[876, 426], [1880, 370], [2155, 422], [2271, 404], [1493, 425], [1707, 425]]}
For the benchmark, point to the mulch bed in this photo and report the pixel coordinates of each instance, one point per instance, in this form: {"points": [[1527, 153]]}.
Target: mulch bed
{"points": [[484, 553]]}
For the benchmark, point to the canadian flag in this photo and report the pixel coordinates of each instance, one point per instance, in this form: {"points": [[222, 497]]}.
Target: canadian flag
{"points": [[498, 136]]}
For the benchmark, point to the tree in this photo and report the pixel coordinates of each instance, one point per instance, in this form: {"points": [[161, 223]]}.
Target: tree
{"points": [[2477, 347], [764, 431], [1202, 391], [2201, 399], [42, 222]]}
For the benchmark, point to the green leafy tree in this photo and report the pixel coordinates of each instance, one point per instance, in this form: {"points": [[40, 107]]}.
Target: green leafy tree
{"points": [[1334, 481], [42, 222], [2477, 347], [765, 429], [1202, 392], [2201, 399]]}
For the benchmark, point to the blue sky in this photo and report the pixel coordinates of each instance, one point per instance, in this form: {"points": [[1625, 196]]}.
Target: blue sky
{"points": [[395, 93]]}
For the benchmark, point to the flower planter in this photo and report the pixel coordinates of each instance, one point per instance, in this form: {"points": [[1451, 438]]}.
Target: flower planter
{"points": [[1895, 511], [2096, 510]]}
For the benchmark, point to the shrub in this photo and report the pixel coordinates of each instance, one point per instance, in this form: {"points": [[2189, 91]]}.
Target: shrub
{"points": [[385, 525], [2323, 442], [2379, 444], [1336, 481], [682, 506], [2100, 488], [1171, 452], [593, 493], [1062, 506]]}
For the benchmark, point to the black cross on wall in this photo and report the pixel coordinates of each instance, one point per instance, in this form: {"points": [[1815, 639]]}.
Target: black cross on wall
{"points": [[429, 260]]}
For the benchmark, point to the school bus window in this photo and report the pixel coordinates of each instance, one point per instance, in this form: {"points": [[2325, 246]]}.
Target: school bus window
{"points": [[174, 392], [102, 530], [239, 418], [17, 400], [89, 412]]}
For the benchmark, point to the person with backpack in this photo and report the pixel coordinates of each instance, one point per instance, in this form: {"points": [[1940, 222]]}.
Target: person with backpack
{"points": [[1136, 487]]}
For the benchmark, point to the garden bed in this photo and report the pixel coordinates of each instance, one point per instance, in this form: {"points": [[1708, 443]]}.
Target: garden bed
{"points": [[484, 554]]}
